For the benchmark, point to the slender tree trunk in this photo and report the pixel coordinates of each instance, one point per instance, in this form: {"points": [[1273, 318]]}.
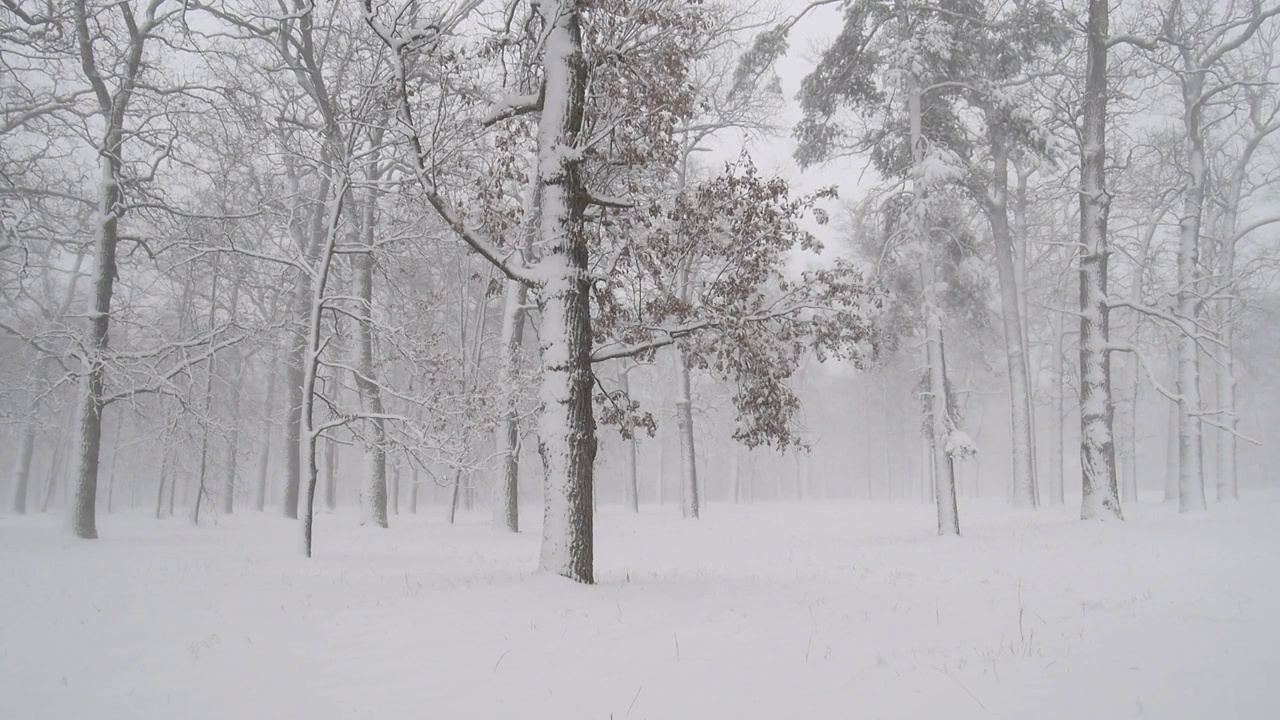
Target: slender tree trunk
{"points": [[630, 481], [455, 494], [230, 464], [268, 428], [330, 475], [22, 467], [312, 350], [207, 420], [373, 490], [1132, 370], [1190, 463], [1172, 445], [413, 493], [1097, 445], [111, 470], [164, 474], [689, 506], [1057, 441], [1029, 366], [506, 498], [939, 414], [1024, 480]]}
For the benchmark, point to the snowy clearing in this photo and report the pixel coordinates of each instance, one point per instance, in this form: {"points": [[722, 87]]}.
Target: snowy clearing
{"points": [[766, 611]]}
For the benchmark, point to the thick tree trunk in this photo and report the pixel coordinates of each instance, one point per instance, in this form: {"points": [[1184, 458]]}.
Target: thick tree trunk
{"points": [[1024, 480], [566, 428], [22, 467], [1097, 445]]}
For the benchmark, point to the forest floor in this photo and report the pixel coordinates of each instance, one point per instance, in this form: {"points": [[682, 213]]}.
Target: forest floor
{"points": [[769, 611]]}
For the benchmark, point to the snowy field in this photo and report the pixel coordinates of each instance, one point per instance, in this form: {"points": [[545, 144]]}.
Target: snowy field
{"points": [[766, 611]]}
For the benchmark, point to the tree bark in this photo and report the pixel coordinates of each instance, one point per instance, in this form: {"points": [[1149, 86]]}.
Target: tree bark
{"points": [[1097, 446], [567, 441], [264, 455], [1024, 478], [22, 467], [506, 497], [630, 481], [939, 414], [1191, 473], [689, 505]]}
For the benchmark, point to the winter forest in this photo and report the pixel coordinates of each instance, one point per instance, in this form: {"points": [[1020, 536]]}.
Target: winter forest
{"points": [[639, 358]]}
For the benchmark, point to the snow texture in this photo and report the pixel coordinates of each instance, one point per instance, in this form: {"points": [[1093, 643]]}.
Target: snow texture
{"points": [[766, 611]]}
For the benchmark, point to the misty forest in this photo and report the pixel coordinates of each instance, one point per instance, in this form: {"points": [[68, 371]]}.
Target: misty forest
{"points": [[639, 358]]}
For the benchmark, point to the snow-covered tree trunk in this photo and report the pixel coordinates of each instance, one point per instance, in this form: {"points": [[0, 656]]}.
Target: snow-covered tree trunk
{"points": [[294, 377], [230, 464], [22, 467], [1024, 481], [689, 500], [1225, 369], [566, 428], [939, 413], [1097, 449], [630, 481], [506, 501], [311, 363], [373, 488], [1057, 442], [1171, 453], [1191, 496], [264, 454], [1133, 371], [207, 420]]}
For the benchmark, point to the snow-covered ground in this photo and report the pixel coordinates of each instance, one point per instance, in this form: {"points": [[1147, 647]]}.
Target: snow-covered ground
{"points": [[767, 611]]}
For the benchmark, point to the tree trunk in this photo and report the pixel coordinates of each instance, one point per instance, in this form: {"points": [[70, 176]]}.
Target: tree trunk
{"points": [[1191, 478], [311, 369], [22, 467], [689, 505], [207, 420], [264, 455], [1024, 480], [1057, 441], [330, 475], [230, 464], [630, 481], [566, 428], [1097, 446], [82, 499], [373, 490], [164, 473], [506, 497], [1172, 444], [413, 493], [939, 414]]}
